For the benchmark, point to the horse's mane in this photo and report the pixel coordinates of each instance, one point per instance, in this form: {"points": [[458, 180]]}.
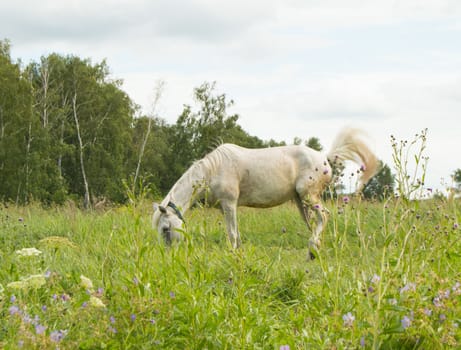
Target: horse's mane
{"points": [[201, 171]]}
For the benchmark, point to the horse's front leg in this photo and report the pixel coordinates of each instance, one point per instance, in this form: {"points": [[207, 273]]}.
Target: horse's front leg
{"points": [[230, 216]]}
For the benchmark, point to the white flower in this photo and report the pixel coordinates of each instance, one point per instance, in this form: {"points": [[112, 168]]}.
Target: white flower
{"points": [[96, 302], [28, 252], [348, 319], [375, 279], [86, 283], [33, 281]]}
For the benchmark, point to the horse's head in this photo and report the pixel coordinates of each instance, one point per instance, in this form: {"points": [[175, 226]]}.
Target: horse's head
{"points": [[168, 221]]}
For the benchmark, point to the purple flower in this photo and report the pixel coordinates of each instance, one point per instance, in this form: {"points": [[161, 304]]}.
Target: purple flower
{"points": [[172, 295], [362, 342], [345, 199], [112, 329], [132, 317], [455, 225], [405, 322], [427, 312], [152, 321], [39, 329], [44, 308], [57, 336], [135, 281], [112, 319], [284, 347], [47, 274], [409, 287], [375, 279], [13, 298], [14, 310], [84, 304], [437, 302], [100, 292]]}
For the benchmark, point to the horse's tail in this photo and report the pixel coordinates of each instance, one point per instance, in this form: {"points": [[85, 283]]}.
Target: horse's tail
{"points": [[349, 145]]}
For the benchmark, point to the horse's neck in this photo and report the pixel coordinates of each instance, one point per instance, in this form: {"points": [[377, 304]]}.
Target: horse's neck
{"points": [[189, 187]]}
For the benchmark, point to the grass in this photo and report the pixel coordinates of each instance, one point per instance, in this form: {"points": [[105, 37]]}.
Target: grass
{"points": [[387, 276]]}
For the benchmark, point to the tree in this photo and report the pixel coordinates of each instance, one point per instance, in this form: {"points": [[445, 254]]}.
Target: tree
{"points": [[197, 132], [381, 185], [314, 143], [16, 129]]}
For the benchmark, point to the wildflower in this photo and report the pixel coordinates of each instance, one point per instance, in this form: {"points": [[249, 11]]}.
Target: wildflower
{"points": [[375, 279], [393, 301], [284, 347], [47, 274], [96, 302], [457, 288], [44, 308], [427, 312], [112, 329], [58, 242], [65, 297], [437, 302], [133, 317], [345, 199], [84, 304], [348, 319], [172, 295], [86, 283], [28, 252], [20, 219], [33, 281], [57, 336], [362, 342], [152, 321], [455, 225], [14, 310], [100, 292], [135, 281], [112, 319], [409, 287], [39, 329], [13, 298], [442, 317], [317, 206], [405, 322]]}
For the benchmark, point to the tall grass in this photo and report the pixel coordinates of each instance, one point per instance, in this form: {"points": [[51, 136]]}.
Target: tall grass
{"points": [[387, 276]]}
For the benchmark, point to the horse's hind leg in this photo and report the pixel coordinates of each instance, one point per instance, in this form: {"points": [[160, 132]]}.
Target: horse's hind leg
{"points": [[306, 201]]}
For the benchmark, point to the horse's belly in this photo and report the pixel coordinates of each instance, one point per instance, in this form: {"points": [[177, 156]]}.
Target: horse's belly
{"points": [[265, 194]]}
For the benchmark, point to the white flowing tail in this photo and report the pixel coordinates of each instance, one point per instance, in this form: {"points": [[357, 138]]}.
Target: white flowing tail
{"points": [[349, 145]]}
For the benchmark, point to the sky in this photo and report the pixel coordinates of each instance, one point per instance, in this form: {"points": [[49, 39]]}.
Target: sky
{"points": [[294, 68]]}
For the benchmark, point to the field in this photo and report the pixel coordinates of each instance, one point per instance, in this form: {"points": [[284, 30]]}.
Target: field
{"points": [[387, 276]]}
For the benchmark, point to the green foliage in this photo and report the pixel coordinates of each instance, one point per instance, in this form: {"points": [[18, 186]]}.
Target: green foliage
{"points": [[198, 132], [380, 186]]}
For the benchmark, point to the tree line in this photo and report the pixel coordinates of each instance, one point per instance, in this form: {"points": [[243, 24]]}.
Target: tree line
{"points": [[68, 131]]}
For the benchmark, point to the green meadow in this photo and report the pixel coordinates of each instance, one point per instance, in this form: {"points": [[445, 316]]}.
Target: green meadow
{"points": [[387, 276]]}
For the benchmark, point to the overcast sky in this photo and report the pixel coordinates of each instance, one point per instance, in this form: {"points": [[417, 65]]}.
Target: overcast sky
{"points": [[293, 67]]}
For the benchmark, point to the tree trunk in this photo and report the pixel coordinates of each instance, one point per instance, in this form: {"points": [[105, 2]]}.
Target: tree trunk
{"points": [[86, 198]]}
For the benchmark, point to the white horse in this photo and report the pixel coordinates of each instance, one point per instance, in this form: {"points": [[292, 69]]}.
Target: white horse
{"points": [[236, 176]]}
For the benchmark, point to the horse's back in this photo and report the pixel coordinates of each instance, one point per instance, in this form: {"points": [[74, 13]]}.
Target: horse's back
{"points": [[264, 177]]}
